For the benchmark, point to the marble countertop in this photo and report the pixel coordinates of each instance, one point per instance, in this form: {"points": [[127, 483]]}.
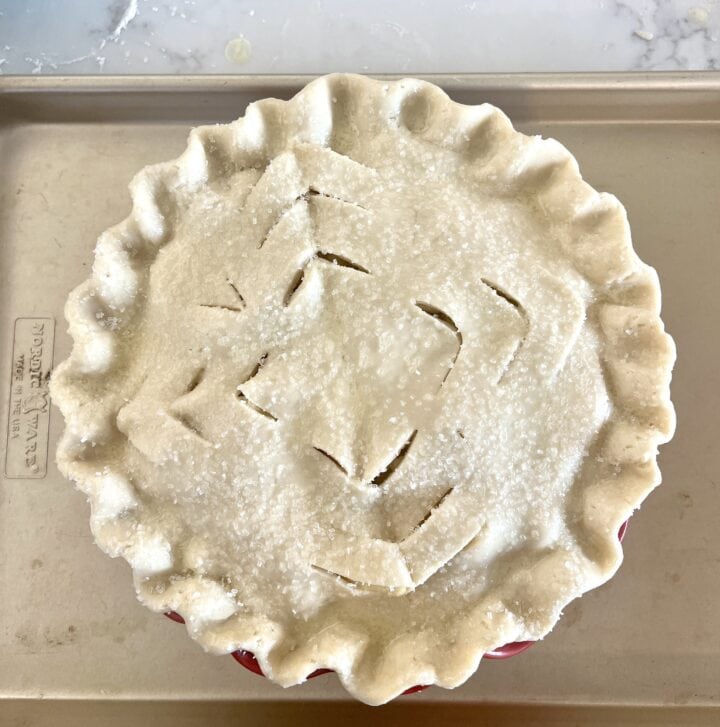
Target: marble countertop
{"points": [[394, 36]]}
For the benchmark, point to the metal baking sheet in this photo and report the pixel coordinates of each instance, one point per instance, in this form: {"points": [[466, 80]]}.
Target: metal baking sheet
{"points": [[69, 624]]}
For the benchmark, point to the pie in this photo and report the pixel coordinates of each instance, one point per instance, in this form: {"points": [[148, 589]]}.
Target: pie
{"points": [[367, 381]]}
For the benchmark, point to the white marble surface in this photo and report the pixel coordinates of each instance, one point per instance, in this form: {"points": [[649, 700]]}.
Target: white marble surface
{"points": [[316, 36]]}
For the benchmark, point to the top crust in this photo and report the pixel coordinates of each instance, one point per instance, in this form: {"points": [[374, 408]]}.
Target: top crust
{"points": [[367, 380]]}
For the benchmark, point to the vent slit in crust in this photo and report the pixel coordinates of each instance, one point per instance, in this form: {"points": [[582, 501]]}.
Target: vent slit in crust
{"points": [[315, 193], [295, 283], [237, 293], [505, 296], [341, 261], [447, 321], [258, 409], [255, 369], [515, 303], [343, 580], [332, 459], [230, 308], [382, 477]]}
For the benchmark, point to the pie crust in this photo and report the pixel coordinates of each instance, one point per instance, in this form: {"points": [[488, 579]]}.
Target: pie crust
{"points": [[367, 380]]}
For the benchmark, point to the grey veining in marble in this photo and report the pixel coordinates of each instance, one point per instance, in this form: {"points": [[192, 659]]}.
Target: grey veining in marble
{"points": [[316, 36]]}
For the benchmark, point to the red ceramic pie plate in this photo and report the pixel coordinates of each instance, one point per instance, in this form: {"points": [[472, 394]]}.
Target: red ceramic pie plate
{"points": [[248, 660]]}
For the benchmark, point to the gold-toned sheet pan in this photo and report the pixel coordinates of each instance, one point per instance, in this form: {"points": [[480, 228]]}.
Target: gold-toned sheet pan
{"points": [[70, 627]]}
